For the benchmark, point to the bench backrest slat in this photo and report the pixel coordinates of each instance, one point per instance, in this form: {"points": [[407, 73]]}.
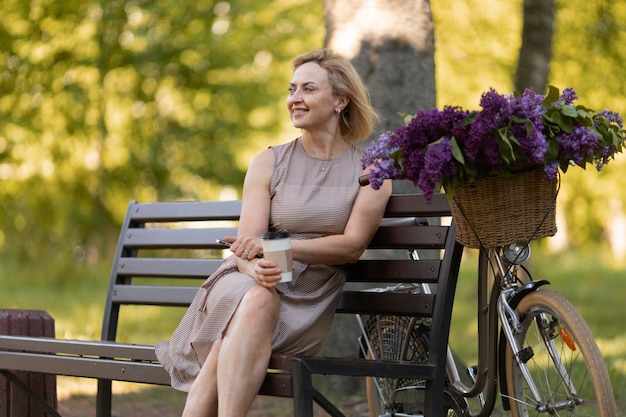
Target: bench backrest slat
{"points": [[197, 238], [417, 237], [167, 267], [396, 270], [407, 205], [186, 211], [404, 304], [153, 295]]}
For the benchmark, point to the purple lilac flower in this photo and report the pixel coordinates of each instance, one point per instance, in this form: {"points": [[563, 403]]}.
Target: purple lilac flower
{"points": [[602, 155], [568, 96], [612, 117], [481, 146], [578, 145], [551, 170], [427, 126], [438, 164], [382, 170], [378, 153], [529, 108], [378, 149]]}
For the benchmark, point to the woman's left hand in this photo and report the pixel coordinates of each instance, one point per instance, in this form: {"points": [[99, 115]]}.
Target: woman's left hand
{"points": [[265, 272]]}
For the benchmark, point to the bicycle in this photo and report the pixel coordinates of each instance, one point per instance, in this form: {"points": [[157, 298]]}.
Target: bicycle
{"points": [[531, 340]]}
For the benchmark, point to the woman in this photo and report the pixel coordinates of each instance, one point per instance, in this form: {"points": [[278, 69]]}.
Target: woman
{"points": [[221, 349]]}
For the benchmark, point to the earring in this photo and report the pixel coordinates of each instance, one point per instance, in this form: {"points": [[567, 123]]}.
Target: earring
{"points": [[337, 111]]}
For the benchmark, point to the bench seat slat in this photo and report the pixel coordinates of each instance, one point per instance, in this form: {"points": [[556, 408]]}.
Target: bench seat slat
{"points": [[386, 303], [153, 295], [167, 267], [151, 373], [368, 367], [275, 384], [124, 351]]}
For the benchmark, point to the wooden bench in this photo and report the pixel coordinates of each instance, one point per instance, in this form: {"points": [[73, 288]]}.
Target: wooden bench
{"points": [[163, 244]]}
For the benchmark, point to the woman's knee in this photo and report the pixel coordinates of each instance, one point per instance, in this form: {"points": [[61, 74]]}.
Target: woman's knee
{"points": [[261, 302]]}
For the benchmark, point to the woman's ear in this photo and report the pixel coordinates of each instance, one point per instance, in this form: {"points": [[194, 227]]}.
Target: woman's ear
{"points": [[341, 103]]}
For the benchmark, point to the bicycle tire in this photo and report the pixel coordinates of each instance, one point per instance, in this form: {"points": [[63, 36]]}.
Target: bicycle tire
{"points": [[576, 349], [392, 396]]}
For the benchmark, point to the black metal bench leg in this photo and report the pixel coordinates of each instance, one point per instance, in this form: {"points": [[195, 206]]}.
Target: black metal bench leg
{"points": [[327, 405], [104, 398], [32, 394], [434, 399], [303, 391]]}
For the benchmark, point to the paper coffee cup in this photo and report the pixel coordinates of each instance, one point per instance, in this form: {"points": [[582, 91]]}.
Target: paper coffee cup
{"points": [[277, 248]]}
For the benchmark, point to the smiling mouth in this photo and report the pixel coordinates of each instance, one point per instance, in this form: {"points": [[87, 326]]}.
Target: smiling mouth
{"points": [[298, 112]]}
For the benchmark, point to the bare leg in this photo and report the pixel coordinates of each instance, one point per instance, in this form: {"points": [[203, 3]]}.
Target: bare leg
{"points": [[236, 365], [202, 398], [245, 351]]}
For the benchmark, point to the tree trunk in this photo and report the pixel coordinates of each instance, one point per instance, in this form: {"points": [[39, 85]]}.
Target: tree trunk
{"points": [[391, 44], [533, 67]]}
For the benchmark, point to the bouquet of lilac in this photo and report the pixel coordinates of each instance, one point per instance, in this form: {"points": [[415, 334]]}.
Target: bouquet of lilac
{"points": [[453, 146]]}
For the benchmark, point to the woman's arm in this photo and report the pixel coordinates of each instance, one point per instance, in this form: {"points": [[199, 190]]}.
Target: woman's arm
{"points": [[367, 212], [254, 221]]}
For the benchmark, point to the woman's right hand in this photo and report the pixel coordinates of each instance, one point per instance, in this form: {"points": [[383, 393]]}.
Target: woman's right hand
{"points": [[246, 247]]}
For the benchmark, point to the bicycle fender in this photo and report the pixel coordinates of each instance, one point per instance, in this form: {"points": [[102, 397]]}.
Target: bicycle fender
{"points": [[526, 289]]}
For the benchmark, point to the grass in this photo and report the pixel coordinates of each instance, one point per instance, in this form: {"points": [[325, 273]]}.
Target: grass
{"points": [[75, 298]]}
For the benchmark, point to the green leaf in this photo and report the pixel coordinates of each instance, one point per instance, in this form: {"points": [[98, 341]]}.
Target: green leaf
{"points": [[569, 110], [457, 153], [407, 117], [565, 123], [552, 152], [552, 96], [505, 147], [396, 155]]}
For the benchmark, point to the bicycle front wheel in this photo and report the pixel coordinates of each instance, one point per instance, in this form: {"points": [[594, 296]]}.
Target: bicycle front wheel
{"points": [[563, 360]]}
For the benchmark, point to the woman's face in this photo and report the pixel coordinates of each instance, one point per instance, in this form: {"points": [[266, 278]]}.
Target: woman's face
{"points": [[311, 102]]}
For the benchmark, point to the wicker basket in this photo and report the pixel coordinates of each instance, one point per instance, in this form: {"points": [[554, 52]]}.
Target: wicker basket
{"points": [[496, 211]]}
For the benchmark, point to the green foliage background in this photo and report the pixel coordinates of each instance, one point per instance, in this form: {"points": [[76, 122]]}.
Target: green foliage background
{"points": [[102, 102]]}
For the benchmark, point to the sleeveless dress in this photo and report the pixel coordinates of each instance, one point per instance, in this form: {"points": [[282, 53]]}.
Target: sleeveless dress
{"points": [[310, 197]]}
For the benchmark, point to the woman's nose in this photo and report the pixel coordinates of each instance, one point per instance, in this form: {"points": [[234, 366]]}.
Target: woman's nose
{"points": [[294, 98]]}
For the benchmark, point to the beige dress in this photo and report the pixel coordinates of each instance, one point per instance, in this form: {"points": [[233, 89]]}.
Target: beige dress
{"points": [[311, 198]]}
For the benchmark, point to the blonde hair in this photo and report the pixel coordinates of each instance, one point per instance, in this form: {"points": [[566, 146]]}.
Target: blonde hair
{"points": [[358, 118]]}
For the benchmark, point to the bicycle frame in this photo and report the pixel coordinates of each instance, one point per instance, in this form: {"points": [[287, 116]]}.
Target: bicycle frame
{"points": [[496, 314], [500, 290]]}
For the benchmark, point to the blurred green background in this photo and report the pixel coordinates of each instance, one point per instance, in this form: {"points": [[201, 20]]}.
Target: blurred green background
{"points": [[107, 101]]}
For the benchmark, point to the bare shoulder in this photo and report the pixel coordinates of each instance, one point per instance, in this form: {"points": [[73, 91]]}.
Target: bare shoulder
{"points": [[263, 160], [260, 169]]}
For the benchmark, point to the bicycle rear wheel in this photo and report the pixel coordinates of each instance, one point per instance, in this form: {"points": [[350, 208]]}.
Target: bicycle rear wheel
{"points": [[563, 359], [396, 338]]}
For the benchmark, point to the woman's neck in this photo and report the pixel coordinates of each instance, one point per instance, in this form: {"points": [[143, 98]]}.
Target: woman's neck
{"points": [[324, 147]]}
